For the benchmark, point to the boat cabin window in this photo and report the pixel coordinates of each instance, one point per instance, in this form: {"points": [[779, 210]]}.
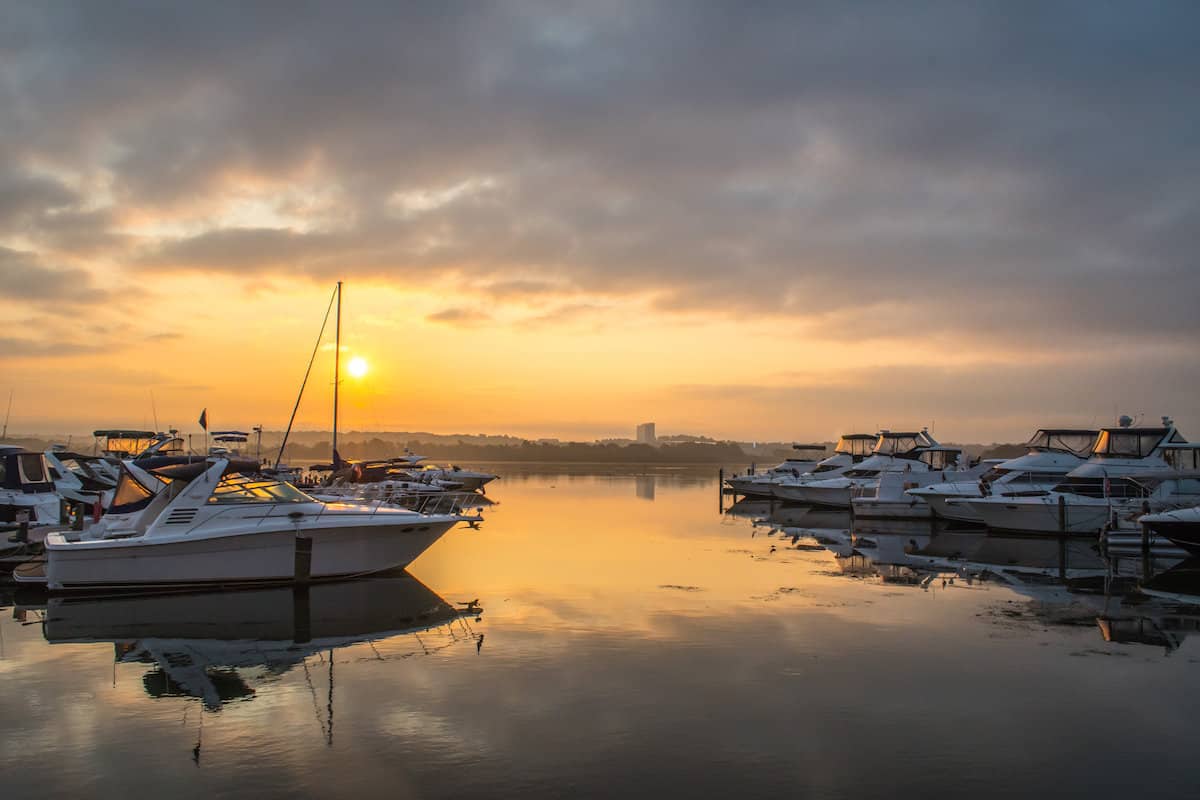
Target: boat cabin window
{"points": [[861, 473], [1184, 459], [33, 467], [994, 474], [1126, 443], [238, 488]]}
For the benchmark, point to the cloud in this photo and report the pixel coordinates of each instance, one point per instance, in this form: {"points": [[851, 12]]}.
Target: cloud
{"points": [[24, 277], [941, 170], [20, 348], [459, 316]]}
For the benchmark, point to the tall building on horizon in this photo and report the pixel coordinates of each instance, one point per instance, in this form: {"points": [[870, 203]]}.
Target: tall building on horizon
{"points": [[645, 433]]}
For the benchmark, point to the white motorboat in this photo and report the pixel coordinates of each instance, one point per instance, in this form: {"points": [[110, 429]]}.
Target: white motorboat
{"points": [[1053, 452], [452, 477], [82, 479], [178, 521], [916, 454], [849, 450], [760, 484], [892, 496], [27, 490], [1132, 471]]}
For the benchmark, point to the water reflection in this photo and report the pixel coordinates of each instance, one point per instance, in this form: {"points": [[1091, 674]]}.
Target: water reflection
{"points": [[215, 646], [634, 649], [644, 485]]}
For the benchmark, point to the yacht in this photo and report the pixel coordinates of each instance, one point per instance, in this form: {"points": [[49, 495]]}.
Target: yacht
{"points": [[760, 484], [1053, 452], [1132, 470], [452, 477], [80, 478], [916, 454], [27, 490], [186, 521], [849, 450], [892, 496]]}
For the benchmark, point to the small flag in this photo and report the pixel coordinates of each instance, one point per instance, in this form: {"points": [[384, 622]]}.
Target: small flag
{"points": [[204, 419]]}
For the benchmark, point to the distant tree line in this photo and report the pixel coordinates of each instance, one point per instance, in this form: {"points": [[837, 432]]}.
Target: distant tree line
{"points": [[580, 452]]}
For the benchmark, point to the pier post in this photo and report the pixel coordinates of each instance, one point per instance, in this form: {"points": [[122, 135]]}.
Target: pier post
{"points": [[721, 490], [1062, 513]]}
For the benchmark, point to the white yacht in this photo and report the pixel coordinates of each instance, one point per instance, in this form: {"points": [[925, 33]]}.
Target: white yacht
{"points": [[850, 449], [1053, 452], [760, 484], [453, 477], [892, 495], [917, 454], [177, 521], [1132, 470]]}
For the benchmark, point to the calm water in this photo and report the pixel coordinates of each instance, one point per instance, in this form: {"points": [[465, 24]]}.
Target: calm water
{"points": [[632, 642]]}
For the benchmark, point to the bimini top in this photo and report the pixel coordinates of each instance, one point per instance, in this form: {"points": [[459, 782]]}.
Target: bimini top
{"points": [[899, 443], [809, 447], [1131, 442], [857, 445], [186, 468], [1076, 441], [124, 434]]}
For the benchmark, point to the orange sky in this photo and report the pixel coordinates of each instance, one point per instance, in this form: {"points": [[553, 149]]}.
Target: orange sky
{"points": [[566, 221]]}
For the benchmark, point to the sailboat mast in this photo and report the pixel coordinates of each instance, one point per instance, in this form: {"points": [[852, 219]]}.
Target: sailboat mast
{"points": [[337, 363]]}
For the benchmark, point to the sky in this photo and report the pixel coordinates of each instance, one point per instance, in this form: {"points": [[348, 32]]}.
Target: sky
{"points": [[749, 220]]}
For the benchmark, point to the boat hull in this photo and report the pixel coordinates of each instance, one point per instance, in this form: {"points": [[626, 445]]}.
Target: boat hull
{"points": [[953, 508], [1043, 516], [747, 487], [1186, 534], [827, 496], [279, 556], [911, 508]]}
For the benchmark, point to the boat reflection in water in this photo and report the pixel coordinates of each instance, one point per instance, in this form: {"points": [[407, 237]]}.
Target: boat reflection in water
{"points": [[213, 645]]}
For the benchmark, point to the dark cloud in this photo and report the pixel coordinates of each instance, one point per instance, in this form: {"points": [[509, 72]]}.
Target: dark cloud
{"points": [[23, 277], [931, 168]]}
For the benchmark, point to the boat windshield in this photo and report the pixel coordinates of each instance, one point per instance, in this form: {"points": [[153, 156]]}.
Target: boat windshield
{"points": [[1126, 443], [238, 488], [130, 494], [33, 467], [1077, 442]]}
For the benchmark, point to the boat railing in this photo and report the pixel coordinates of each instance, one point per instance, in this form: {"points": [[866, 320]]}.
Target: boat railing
{"points": [[424, 503]]}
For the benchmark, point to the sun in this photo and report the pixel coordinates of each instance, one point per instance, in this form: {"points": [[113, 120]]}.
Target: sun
{"points": [[357, 367]]}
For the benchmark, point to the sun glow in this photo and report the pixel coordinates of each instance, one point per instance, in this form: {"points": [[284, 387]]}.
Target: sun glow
{"points": [[357, 367]]}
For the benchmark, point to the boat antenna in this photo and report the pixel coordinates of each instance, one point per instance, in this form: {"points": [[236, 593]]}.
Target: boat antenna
{"points": [[8, 414], [337, 360], [303, 383], [154, 409]]}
